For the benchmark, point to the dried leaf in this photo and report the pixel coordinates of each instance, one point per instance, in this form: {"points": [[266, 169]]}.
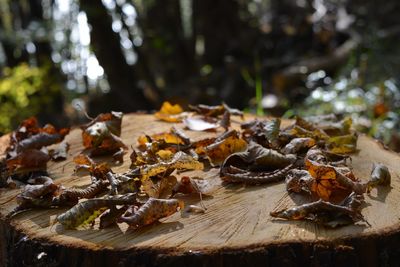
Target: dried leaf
{"points": [[84, 162], [170, 113], [87, 211], [343, 144], [161, 188], [168, 138], [180, 160], [30, 136], [257, 157], [299, 181], [29, 159], [298, 144], [328, 180], [221, 149], [61, 152], [317, 134], [380, 175], [153, 210], [271, 129], [109, 218], [214, 111], [102, 134], [326, 213], [186, 186]]}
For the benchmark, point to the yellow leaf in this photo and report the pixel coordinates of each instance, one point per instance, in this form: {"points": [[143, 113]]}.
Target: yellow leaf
{"points": [[170, 113], [343, 144]]}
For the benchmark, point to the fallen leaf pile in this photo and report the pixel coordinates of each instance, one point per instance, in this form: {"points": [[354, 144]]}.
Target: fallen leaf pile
{"points": [[311, 156]]}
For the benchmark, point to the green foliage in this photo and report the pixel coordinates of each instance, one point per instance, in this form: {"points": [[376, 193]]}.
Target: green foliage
{"points": [[24, 92]]}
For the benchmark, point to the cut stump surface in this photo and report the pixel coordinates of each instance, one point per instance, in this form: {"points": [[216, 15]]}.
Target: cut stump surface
{"points": [[235, 229]]}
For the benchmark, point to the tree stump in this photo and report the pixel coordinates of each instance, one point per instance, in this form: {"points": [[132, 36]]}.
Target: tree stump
{"points": [[236, 229]]}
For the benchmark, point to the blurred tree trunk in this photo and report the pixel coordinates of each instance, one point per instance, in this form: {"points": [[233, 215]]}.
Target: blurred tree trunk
{"points": [[219, 24], [124, 94], [170, 53]]}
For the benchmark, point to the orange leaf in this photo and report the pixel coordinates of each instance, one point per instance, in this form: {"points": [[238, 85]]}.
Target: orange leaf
{"points": [[325, 179], [218, 152]]}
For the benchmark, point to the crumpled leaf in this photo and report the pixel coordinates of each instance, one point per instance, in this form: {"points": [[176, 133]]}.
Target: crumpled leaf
{"points": [[265, 133], [257, 157], [380, 175], [186, 186], [329, 181], [112, 121], [271, 129], [331, 125], [60, 152], [200, 145], [29, 159], [162, 188], [153, 210], [299, 181], [170, 113], [169, 138], [101, 135], [29, 135], [199, 124], [83, 162], [343, 144], [87, 211], [298, 144], [214, 111], [317, 134], [180, 160], [225, 145], [326, 213]]}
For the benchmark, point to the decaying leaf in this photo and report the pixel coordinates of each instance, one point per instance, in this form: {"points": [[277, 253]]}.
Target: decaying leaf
{"points": [[214, 111], [90, 191], [37, 191], [153, 210], [83, 162], [328, 180], [380, 175], [271, 129], [180, 160], [299, 181], [61, 152], [343, 144], [159, 188], [331, 125], [29, 159], [109, 218], [225, 145], [317, 134], [236, 175], [298, 144], [265, 133], [326, 213], [257, 157], [30, 136], [167, 138], [36, 196], [256, 165], [185, 186], [87, 211], [101, 135], [170, 113]]}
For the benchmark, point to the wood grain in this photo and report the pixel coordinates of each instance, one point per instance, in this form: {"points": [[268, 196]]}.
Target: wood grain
{"points": [[237, 216]]}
